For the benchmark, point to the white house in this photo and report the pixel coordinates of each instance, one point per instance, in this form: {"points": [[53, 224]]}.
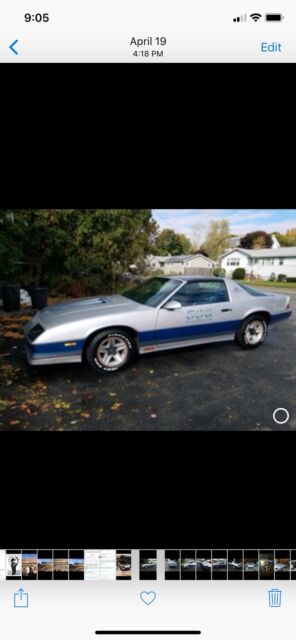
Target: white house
{"points": [[178, 264], [155, 263], [261, 263]]}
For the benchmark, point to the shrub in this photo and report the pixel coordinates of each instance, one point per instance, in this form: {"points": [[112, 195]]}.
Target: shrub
{"points": [[291, 279], [239, 274], [272, 277], [218, 272], [282, 277]]}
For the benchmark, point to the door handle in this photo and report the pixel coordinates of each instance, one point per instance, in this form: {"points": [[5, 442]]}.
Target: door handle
{"points": [[225, 310]]}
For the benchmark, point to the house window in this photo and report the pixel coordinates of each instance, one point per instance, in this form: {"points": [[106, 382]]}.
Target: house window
{"points": [[281, 261]]}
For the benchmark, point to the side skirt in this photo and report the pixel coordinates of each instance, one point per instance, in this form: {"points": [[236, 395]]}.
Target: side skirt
{"points": [[163, 346]]}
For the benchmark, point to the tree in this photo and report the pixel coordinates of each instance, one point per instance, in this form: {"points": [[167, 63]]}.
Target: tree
{"points": [[170, 242], [256, 240], [288, 239], [216, 241], [197, 234], [57, 246], [107, 241], [200, 251], [291, 235], [10, 246]]}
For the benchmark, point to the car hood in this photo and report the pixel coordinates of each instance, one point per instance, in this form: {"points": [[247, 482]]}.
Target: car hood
{"points": [[83, 309]]}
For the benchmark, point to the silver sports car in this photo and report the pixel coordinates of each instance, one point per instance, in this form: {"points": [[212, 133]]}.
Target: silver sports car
{"points": [[160, 313]]}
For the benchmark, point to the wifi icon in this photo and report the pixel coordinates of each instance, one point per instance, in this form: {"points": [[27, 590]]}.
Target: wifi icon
{"points": [[255, 16]]}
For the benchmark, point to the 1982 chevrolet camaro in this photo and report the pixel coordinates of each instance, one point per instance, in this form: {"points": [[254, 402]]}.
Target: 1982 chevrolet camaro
{"points": [[160, 313]]}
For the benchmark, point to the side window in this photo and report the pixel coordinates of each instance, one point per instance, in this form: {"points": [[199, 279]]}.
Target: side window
{"points": [[202, 293]]}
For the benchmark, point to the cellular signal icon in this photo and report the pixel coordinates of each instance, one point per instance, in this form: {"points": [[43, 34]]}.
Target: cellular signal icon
{"points": [[255, 16], [241, 18]]}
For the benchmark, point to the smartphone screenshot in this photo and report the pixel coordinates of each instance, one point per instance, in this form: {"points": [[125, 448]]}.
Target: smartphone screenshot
{"points": [[147, 355]]}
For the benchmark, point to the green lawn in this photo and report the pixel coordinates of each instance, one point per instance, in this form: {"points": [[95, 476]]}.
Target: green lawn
{"points": [[267, 283]]}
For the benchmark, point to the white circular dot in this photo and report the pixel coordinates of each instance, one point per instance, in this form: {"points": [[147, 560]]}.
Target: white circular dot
{"points": [[281, 421]]}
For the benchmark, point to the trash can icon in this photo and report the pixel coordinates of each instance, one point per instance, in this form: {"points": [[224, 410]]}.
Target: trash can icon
{"points": [[275, 597]]}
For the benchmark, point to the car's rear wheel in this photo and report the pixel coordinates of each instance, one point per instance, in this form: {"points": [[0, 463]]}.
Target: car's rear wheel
{"points": [[252, 332], [111, 351]]}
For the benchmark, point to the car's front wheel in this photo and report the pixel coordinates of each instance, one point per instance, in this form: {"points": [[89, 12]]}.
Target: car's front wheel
{"points": [[111, 351], [252, 332]]}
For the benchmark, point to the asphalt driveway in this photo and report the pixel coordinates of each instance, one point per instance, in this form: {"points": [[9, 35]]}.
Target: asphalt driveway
{"points": [[212, 387]]}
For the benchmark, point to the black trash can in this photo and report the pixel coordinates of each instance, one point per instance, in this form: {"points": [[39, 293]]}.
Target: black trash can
{"points": [[11, 297], [39, 297], [2, 282]]}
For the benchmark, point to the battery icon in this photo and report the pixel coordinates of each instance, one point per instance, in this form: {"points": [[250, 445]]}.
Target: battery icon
{"points": [[273, 17]]}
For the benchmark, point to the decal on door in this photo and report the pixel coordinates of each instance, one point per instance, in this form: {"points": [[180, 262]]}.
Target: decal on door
{"points": [[196, 314]]}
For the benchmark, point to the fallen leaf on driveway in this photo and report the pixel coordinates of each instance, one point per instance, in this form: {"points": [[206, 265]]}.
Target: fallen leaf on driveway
{"points": [[12, 334], [62, 405], [112, 394], [116, 406], [14, 422], [85, 415]]}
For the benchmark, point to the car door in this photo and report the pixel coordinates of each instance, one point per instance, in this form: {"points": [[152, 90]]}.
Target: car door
{"points": [[206, 314]]}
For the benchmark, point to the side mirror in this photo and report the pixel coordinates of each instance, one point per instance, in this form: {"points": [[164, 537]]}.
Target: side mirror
{"points": [[172, 305]]}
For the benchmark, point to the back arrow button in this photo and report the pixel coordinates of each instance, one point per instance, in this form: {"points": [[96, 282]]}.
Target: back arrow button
{"points": [[11, 46]]}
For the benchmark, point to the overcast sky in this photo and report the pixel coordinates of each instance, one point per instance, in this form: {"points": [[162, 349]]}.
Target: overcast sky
{"points": [[241, 220]]}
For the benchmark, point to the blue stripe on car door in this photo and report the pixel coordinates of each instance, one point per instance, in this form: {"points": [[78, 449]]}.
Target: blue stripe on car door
{"points": [[196, 331]]}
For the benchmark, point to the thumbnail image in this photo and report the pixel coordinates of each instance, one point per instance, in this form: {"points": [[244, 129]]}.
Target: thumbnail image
{"points": [[282, 564], [148, 565], [293, 564], [2, 564], [13, 565], [188, 564], [76, 564], [92, 564], [203, 564], [172, 564], [60, 565], [45, 565], [250, 565], [219, 564], [123, 564], [266, 565], [235, 564], [29, 565]]}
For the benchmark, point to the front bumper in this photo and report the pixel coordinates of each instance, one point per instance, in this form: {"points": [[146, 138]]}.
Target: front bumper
{"points": [[36, 360]]}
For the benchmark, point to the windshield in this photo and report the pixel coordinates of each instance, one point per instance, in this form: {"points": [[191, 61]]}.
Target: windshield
{"points": [[152, 291]]}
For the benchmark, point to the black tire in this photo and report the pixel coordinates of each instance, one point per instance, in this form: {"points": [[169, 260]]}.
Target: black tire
{"points": [[124, 349], [252, 332]]}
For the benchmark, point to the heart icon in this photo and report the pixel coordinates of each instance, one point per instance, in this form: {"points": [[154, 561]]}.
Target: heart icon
{"points": [[148, 596]]}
